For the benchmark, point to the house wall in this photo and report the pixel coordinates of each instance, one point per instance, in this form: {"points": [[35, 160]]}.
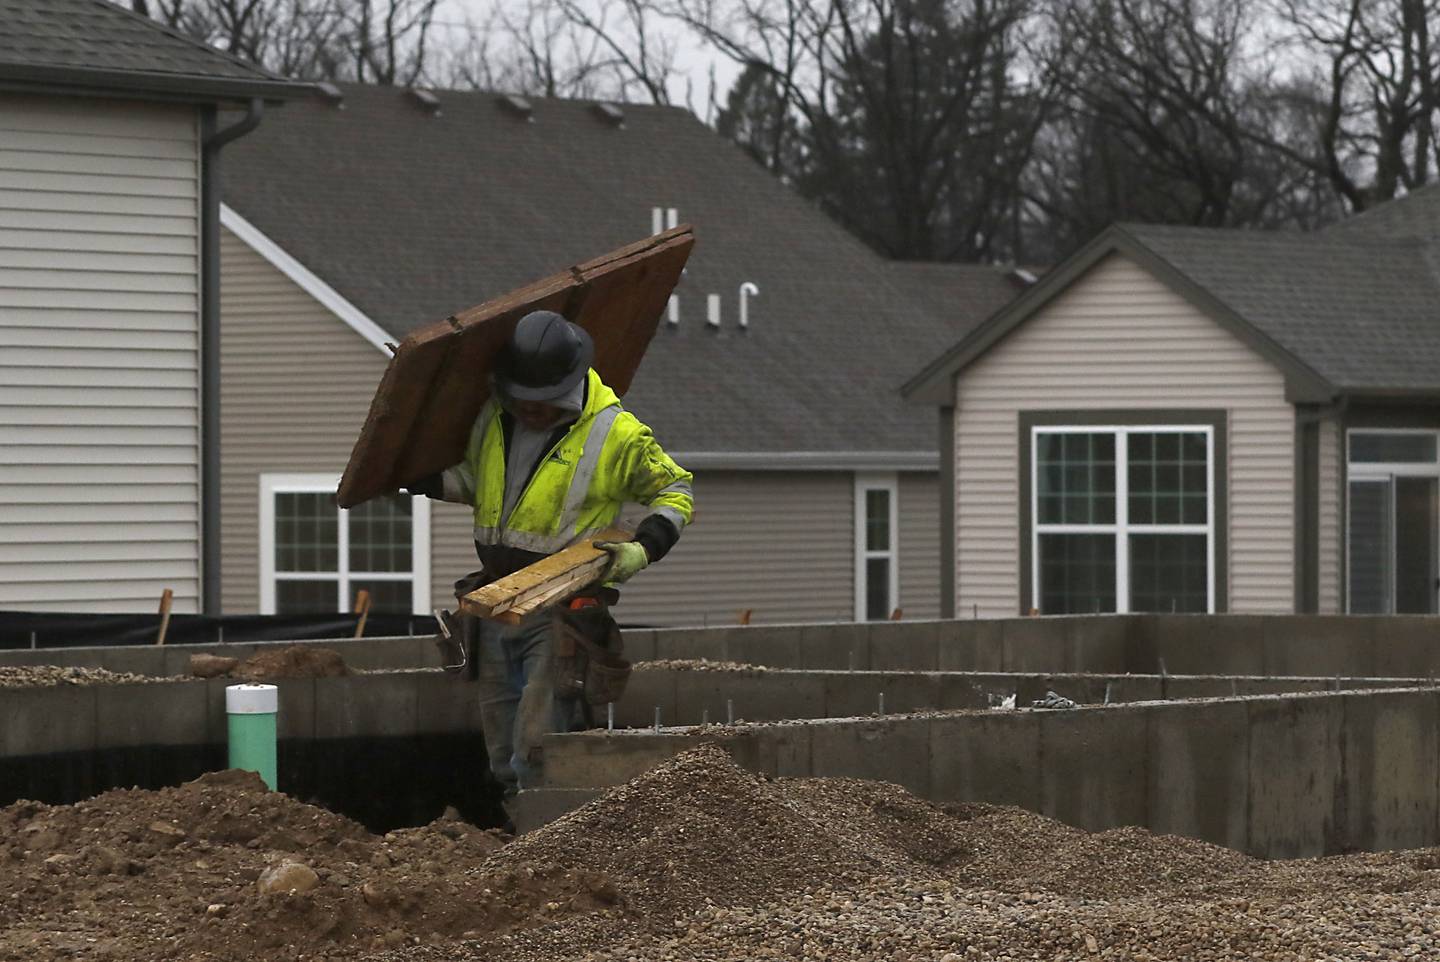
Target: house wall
{"points": [[920, 545], [1332, 543], [99, 376], [780, 543], [1120, 339], [295, 384]]}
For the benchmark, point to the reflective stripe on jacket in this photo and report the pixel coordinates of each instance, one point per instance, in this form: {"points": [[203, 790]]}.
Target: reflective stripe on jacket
{"points": [[605, 459]]}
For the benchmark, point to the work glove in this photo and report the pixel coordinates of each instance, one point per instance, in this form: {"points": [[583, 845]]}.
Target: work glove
{"points": [[627, 559]]}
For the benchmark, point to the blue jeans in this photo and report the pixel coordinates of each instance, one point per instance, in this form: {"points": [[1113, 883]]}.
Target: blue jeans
{"points": [[517, 697]]}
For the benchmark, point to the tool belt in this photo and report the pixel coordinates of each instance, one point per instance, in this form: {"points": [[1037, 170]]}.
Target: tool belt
{"points": [[586, 652]]}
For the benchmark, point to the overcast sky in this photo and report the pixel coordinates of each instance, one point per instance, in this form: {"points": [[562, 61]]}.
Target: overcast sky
{"points": [[697, 63]]}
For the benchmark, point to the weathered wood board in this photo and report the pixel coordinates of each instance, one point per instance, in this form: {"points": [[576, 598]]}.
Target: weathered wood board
{"points": [[439, 378], [544, 582]]}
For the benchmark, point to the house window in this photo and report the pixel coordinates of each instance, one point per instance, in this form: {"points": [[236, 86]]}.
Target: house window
{"points": [[1123, 519], [316, 557], [1393, 524], [877, 547]]}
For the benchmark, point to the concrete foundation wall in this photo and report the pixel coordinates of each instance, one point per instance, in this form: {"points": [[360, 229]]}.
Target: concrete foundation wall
{"points": [[1350, 646], [1275, 776]]}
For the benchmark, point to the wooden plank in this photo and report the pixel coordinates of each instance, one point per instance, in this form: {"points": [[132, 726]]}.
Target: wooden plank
{"points": [[435, 385], [544, 582]]}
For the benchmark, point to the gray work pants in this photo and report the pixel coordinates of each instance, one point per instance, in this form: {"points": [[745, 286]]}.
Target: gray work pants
{"points": [[517, 697]]}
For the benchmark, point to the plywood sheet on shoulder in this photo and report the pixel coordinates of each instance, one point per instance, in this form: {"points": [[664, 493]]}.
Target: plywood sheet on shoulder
{"points": [[439, 377]]}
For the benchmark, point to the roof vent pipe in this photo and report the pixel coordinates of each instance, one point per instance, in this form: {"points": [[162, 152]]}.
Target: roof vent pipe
{"points": [[428, 102], [517, 106], [712, 310], [672, 218], [747, 290], [672, 309], [657, 219]]}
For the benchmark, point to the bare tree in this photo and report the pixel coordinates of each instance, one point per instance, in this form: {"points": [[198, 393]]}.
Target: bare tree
{"points": [[372, 41], [1169, 115], [1372, 88]]}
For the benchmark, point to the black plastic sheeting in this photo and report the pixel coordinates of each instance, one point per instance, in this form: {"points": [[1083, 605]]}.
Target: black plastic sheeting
{"points": [[32, 629]]}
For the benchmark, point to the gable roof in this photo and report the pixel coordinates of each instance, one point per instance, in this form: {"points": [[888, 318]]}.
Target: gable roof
{"points": [[97, 47], [961, 295], [412, 214], [1338, 313], [1416, 216]]}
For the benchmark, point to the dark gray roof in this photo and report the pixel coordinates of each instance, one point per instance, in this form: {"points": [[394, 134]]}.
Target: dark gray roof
{"points": [[97, 46], [1416, 216], [1338, 311], [1362, 312], [961, 295], [413, 215]]}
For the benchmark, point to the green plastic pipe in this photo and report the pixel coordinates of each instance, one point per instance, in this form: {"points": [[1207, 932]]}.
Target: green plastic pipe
{"points": [[251, 710]]}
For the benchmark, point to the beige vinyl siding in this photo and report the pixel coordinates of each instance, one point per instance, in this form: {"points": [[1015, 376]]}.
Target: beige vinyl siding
{"points": [[1120, 339], [1332, 544], [920, 545], [99, 378], [295, 385], [779, 543]]}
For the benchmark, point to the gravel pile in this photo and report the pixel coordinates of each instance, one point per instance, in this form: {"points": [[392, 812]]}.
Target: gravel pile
{"points": [[53, 676], [715, 864]]}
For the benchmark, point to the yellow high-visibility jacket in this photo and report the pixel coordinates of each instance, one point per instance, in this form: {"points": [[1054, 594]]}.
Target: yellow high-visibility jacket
{"points": [[606, 459]]}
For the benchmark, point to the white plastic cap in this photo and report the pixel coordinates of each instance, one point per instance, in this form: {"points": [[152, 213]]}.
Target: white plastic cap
{"points": [[252, 700]]}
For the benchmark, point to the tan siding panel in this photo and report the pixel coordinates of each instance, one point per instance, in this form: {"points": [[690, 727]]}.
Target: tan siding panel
{"points": [[778, 543], [1120, 339], [98, 383], [1332, 545], [920, 545], [14, 238], [302, 421]]}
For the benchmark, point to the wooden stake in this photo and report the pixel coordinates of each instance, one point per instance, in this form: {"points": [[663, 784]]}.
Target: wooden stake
{"points": [[362, 608], [745, 616], [166, 597], [897, 614]]}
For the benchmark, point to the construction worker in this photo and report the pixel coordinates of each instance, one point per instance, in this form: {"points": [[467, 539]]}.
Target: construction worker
{"points": [[551, 460]]}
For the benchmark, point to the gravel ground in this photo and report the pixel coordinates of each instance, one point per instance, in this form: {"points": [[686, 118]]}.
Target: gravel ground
{"points": [[715, 864], [51, 676], [698, 664], [695, 860]]}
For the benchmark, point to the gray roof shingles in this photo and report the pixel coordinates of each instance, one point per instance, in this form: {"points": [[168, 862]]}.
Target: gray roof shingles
{"points": [[962, 295], [413, 216], [1361, 310], [97, 43]]}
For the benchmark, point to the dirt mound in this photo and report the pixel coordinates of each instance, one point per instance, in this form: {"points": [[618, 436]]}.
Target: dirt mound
{"points": [[295, 661], [698, 831], [173, 873]]}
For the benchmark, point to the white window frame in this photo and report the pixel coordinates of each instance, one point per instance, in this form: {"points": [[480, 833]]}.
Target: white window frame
{"points": [[888, 482], [1387, 471], [419, 576], [1122, 529]]}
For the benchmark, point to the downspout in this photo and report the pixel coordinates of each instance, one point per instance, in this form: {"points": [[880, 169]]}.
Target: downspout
{"points": [[212, 141]]}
